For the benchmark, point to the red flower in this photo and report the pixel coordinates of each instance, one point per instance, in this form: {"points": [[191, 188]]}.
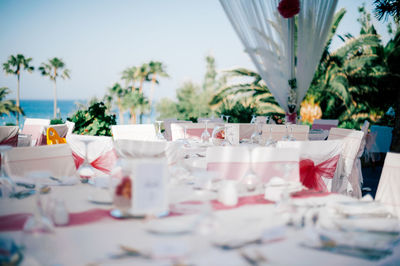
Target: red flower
{"points": [[124, 188], [289, 8]]}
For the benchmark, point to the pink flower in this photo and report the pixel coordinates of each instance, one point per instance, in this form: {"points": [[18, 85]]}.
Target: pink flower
{"points": [[289, 8]]}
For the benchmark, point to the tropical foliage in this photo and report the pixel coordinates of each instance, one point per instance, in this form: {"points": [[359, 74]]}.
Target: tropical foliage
{"points": [[53, 69], [93, 120], [8, 107], [14, 66]]}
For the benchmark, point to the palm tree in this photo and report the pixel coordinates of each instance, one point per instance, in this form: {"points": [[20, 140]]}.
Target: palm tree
{"points": [[129, 75], [156, 68], [15, 65], [135, 101], [53, 69], [8, 107], [117, 94], [142, 74]]}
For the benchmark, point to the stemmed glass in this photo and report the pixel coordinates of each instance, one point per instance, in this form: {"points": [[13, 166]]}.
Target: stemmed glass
{"points": [[250, 179], [286, 137], [7, 188], [227, 118], [253, 119], [256, 136], [160, 136], [85, 170], [290, 137], [38, 232], [226, 141], [205, 136], [270, 141], [185, 141]]}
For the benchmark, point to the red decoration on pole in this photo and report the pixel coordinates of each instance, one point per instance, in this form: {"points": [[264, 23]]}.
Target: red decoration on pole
{"points": [[289, 8]]}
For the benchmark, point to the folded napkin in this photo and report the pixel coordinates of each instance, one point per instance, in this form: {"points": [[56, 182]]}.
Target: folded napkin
{"points": [[360, 208]]}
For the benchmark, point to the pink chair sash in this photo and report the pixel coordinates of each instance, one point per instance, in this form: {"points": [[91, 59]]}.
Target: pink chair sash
{"points": [[12, 141], [104, 162], [311, 175], [265, 170]]}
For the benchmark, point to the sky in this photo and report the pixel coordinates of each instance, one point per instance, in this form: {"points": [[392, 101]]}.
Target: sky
{"points": [[98, 39]]}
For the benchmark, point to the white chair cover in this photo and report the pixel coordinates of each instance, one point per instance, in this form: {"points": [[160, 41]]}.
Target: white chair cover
{"points": [[35, 128], [325, 156], [210, 120], [134, 132], [344, 183], [55, 159], [325, 124], [167, 126], [101, 154], [234, 162], [193, 130], [71, 126], [9, 135], [388, 191], [300, 132]]}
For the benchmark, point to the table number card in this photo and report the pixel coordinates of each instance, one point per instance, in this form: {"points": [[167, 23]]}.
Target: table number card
{"points": [[150, 195], [232, 133]]}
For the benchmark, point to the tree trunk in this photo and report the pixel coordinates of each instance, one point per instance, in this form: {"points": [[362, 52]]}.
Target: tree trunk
{"points": [[141, 85], [55, 100], [153, 83], [18, 78], [133, 116], [120, 112], [395, 147]]}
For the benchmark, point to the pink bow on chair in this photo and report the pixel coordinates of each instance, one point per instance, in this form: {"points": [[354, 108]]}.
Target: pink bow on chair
{"points": [[104, 162], [311, 175]]}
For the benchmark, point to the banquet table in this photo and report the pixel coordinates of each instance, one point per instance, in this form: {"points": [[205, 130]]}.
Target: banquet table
{"points": [[94, 243], [199, 230]]}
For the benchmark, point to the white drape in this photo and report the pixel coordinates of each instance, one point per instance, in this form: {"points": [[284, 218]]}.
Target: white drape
{"points": [[265, 35]]}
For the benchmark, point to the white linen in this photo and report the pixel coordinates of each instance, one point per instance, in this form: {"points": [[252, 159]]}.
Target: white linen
{"points": [[178, 130], [265, 36], [55, 159], [167, 126], [345, 182], [134, 132], [388, 191]]}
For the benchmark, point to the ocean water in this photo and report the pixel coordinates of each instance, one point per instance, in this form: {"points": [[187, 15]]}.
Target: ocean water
{"points": [[44, 109]]}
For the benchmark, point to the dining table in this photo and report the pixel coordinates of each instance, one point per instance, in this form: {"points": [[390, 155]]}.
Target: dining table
{"points": [[305, 228]]}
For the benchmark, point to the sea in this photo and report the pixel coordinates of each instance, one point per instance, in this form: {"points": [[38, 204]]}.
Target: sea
{"points": [[44, 109]]}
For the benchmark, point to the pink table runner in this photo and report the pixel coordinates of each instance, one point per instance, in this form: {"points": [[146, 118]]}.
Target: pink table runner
{"points": [[15, 222]]}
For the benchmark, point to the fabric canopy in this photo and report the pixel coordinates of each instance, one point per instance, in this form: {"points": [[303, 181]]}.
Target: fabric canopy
{"points": [[266, 37]]}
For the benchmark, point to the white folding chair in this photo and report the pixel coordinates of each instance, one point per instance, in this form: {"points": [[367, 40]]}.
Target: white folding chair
{"points": [[55, 159], [318, 161], [193, 130], [100, 151], [388, 191], [167, 126], [134, 132], [325, 124], [345, 183], [234, 162], [277, 132], [35, 128], [9, 135]]}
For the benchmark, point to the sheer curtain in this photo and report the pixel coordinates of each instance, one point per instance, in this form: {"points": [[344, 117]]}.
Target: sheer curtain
{"points": [[265, 35]]}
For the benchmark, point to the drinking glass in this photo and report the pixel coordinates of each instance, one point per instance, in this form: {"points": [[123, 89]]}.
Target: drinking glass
{"points": [[185, 141], [205, 136], [286, 137], [227, 118], [160, 136], [270, 141], [253, 119], [290, 137], [256, 136], [85, 170], [226, 141], [250, 180]]}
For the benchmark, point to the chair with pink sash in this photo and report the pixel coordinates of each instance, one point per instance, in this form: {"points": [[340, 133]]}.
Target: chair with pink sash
{"points": [[324, 124], [9, 135], [318, 162], [234, 162], [134, 132], [345, 183], [388, 191], [100, 151], [167, 126], [278, 132], [55, 159], [193, 130], [35, 128]]}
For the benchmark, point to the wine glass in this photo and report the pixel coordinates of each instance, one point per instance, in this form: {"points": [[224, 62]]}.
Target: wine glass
{"points": [[256, 136], [185, 141], [160, 136], [291, 137], [253, 119], [38, 235], [227, 118], [270, 141], [85, 170], [226, 141], [7, 187], [286, 136], [205, 136], [250, 179]]}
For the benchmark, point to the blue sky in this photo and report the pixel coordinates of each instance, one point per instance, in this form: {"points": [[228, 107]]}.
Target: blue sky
{"points": [[98, 39]]}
